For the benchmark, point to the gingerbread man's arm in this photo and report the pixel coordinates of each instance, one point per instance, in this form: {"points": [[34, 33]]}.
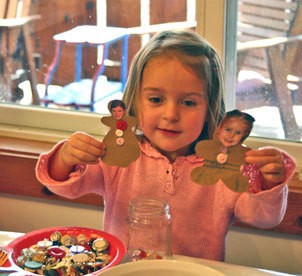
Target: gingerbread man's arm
{"points": [[108, 121]]}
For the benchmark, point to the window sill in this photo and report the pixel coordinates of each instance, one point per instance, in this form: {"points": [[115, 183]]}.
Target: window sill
{"points": [[18, 158]]}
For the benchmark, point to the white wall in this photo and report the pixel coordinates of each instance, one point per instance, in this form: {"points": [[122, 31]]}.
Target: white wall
{"points": [[24, 214], [263, 249]]}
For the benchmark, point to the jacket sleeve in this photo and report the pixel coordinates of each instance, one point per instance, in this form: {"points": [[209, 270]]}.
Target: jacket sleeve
{"points": [[85, 179], [264, 209]]}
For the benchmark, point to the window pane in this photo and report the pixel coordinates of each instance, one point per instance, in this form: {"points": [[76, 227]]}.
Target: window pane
{"points": [[254, 86], [269, 63], [22, 103], [54, 60]]}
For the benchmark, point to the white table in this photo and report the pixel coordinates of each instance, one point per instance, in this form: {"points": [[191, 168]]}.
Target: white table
{"points": [[225, 268], [81, 36]]}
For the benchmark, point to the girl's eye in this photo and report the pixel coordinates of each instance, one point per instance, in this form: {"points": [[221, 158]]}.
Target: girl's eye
{"points": [[189, 103], [154, 99]]}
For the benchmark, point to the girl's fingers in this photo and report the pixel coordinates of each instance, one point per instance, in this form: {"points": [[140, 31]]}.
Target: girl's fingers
{"points": [[263, 157], [273, 173], [82, 148], [271, 164]]}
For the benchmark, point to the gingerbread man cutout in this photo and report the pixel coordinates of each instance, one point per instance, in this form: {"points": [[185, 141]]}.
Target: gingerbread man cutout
{"points": [[121, 143], [225, 154]]}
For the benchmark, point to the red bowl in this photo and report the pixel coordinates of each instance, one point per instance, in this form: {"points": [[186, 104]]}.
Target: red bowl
{"points": [[116, 250]]}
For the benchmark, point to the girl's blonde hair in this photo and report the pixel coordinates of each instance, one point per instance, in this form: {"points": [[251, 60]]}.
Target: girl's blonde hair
{"points": [[191, 50]]}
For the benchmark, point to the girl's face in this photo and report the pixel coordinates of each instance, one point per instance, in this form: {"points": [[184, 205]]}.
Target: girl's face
{"points": [[172, 105], [231, 132], [117, 112]]}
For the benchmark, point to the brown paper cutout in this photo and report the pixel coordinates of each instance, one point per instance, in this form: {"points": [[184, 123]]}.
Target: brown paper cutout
{"points": [[221, 161], [121, 143]]}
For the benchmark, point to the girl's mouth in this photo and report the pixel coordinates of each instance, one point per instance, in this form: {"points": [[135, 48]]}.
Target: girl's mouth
{"points": [[168, 132], [228, 142]]}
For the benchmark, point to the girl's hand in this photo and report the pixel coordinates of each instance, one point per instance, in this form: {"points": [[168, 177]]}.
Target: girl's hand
{"points": [[271, 165], [80, 148]]}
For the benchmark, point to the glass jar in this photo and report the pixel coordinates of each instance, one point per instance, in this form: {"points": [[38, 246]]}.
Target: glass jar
{"points": [[149, 232]]}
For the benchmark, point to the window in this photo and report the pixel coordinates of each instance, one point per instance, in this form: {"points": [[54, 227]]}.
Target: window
{"points": [[269, 66], [39, 122], [268, 76]]}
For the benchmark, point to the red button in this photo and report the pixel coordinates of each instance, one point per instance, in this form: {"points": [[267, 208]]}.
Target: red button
{"points": [[56, 252]]}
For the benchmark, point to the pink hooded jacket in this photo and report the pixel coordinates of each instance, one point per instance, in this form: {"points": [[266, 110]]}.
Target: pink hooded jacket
{"points": [[201, 215]]}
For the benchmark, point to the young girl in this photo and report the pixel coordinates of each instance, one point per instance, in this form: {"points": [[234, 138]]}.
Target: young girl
{"points": [[175, 89]]}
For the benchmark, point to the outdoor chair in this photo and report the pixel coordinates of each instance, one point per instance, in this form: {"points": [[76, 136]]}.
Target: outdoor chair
{"points": [[16, 44]]}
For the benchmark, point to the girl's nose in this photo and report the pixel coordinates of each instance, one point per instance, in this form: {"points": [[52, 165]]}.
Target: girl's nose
{"points": [[231, 134], [171, 112]]}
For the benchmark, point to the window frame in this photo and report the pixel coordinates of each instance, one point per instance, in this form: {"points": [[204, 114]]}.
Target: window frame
{"points": [[52, 125]]}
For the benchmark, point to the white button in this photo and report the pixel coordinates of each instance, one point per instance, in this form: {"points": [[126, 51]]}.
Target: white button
{"points": [[222, 158], [75, 249], [119, 133], [45, 243], [120, 141]]}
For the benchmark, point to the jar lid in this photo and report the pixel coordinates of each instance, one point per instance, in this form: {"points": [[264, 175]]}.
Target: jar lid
{"points": [[100, 244], [56, 236], [68, 240], [80, 258], [33, 265]]}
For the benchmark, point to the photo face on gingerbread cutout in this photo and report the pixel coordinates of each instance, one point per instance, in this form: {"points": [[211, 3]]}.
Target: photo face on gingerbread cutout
{"points": [[225, 154], [121, 143]]}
